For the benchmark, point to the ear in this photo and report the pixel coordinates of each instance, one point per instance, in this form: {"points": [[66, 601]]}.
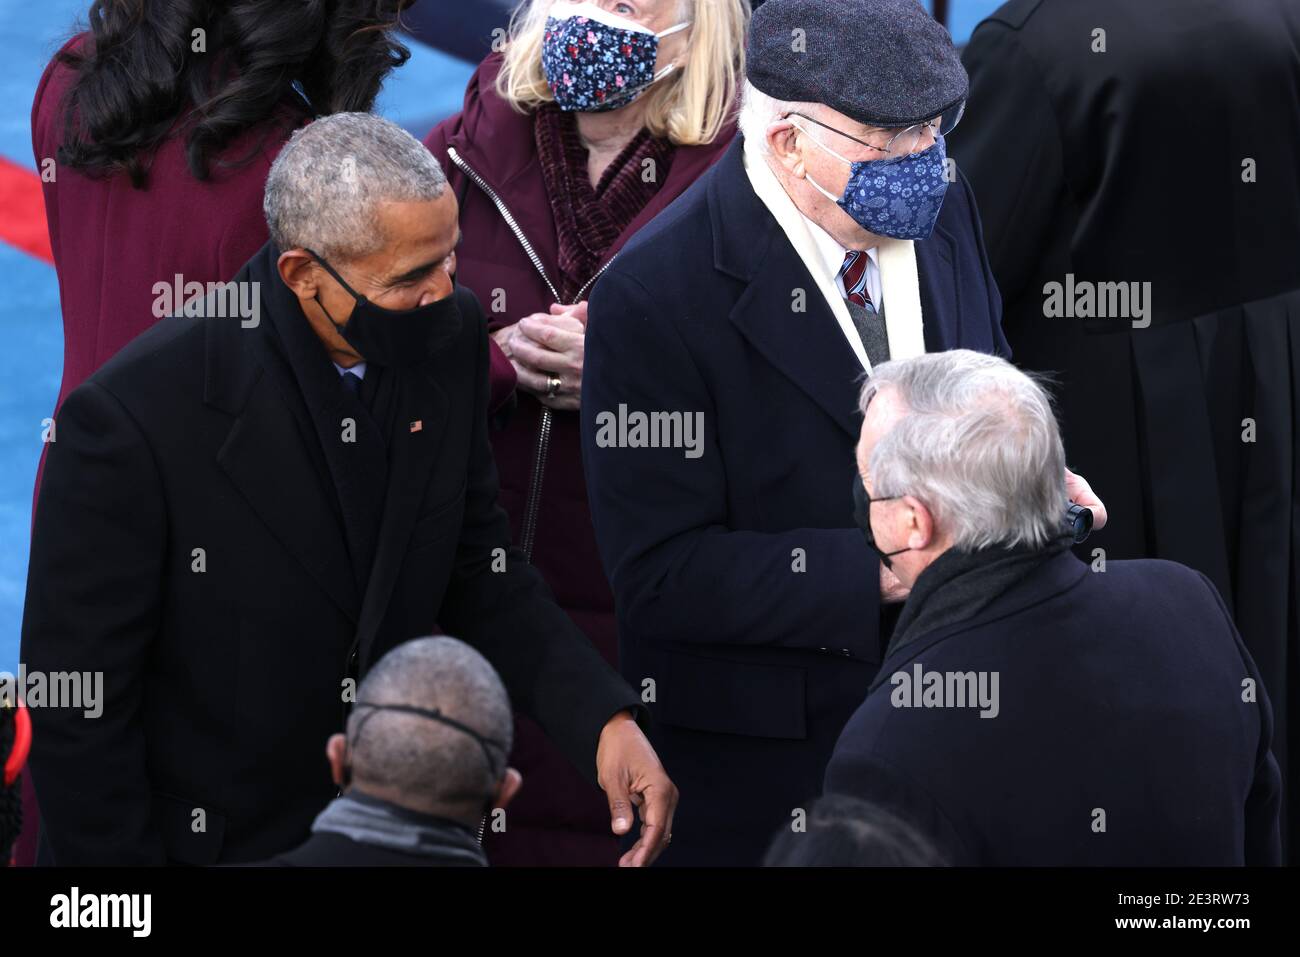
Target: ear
{"points": [[298, 270], [920, 523], [781, 140], [511, 781], [336, 750]]}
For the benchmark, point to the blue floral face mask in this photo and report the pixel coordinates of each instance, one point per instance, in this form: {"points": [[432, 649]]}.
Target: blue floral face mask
{"points": [[596, 61], [898, 197]]}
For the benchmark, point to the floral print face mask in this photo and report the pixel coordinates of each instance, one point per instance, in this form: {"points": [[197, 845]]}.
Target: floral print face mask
{"points": [[898, 197], [596, 61]]}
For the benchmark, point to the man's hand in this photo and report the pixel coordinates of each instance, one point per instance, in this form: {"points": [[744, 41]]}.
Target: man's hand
{"points": [[629, 772], [543, 346], [891, 589], [1080, 493]]}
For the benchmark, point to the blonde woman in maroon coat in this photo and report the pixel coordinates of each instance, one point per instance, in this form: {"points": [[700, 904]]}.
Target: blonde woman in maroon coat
{"points": [[591, 121]]}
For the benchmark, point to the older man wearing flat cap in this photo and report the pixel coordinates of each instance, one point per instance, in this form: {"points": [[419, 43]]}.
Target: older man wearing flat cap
{"points": [[832, 236]]}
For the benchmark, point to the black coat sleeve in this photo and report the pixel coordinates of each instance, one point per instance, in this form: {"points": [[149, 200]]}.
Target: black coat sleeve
{"points": [[93, 590], [678, 571], [1000, 345], [551, 671], [1009, 146], [1264, 800]]}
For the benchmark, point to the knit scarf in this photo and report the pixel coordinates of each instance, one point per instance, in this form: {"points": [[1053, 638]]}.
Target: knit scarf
{"points": [[958, 585], [370, 820], [589, 219]]}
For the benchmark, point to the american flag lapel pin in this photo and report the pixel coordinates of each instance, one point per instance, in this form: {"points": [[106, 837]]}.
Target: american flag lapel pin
{"points": [[417, 425]]}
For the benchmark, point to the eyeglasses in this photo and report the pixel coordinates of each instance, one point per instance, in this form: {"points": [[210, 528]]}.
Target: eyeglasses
{"points": [[902, 141]]}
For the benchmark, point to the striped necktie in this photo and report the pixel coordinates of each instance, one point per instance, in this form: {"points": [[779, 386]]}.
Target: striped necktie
{"points": [[866, 320], [854, 272]]}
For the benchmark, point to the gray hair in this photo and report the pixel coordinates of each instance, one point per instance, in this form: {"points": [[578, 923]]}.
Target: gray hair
{"points": [[978, 443], [758, 111], [420, 757], [325, 186]]}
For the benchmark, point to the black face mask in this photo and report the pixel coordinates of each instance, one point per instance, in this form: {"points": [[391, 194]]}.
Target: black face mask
{"points": [[394, 337], [862, 517], [433, 715]]}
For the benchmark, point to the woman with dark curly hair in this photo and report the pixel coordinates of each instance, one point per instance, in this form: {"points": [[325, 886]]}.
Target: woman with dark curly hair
{"points": [[154, 130]]}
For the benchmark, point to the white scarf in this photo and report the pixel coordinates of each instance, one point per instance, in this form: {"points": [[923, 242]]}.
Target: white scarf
{"points": [[900, 287]]}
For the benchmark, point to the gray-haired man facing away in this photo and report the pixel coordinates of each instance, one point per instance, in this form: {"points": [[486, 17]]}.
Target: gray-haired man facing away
{"points": [[1032, 709], [422, 766]]}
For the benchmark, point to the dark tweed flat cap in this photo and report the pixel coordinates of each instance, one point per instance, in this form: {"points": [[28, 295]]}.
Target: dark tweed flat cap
{"points": [[882, 62]]}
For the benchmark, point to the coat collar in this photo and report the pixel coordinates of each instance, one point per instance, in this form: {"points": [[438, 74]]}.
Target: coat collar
{"points": [[781, 311], [809, 347], [268, 452], [272, 454], [498, 143], [1056, 576], [412, 453]]}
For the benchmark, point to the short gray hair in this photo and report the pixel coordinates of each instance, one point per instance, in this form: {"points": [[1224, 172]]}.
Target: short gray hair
{"points": [[978, 443], [758, 111], [325, 186], [421, 757]]}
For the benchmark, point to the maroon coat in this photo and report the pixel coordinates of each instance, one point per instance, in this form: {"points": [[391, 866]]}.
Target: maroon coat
{"points": [[112, 242], [557, 818]]}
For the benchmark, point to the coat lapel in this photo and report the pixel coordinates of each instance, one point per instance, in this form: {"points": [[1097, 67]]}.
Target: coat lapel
{"points": [[501, 147], [807, 347], [266, 453], [416, 435], [264, 456], [940, 304]]}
